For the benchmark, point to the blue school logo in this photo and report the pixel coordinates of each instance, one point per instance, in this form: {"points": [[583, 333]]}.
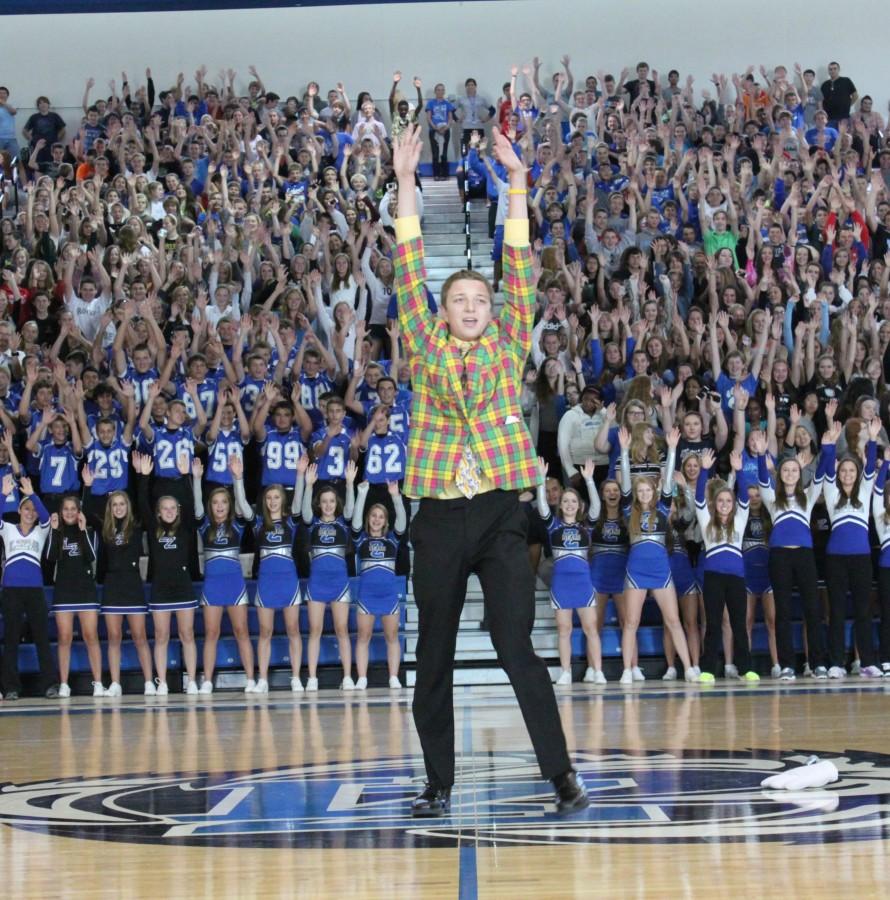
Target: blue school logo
{"points": [[659, 797]]}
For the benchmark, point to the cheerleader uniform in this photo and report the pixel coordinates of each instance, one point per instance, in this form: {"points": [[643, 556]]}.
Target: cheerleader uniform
{"points": [[328, 578], [648, 565], [685, 578], [376, 556], [755, 556], [609, 544], [74, 553], [571, 587], [123, 591], [171, 583], [848, 562], [277, 583], [23, 595], [791, 561], [223, 578], [882, 527], [724, 585]]}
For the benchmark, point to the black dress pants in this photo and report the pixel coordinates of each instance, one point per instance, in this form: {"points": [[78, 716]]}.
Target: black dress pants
{"points": [[17, 603], [851, 574], [884, 599], [485, 535], [790, 566], [725, 591]]}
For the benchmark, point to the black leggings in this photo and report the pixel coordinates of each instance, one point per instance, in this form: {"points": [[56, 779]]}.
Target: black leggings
{"points": [[19, 602], [790, 566], [725, 591], [439, 147], [884, 599], [851, 574]]}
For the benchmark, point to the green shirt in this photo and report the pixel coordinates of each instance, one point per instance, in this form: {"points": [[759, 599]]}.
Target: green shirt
{"points": [[717, 240]]}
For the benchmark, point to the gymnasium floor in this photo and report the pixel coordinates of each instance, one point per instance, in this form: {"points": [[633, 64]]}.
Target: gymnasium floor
{"points": [[195, 797]]}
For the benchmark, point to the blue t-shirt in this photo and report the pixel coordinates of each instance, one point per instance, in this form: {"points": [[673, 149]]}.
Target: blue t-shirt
{"points": [[440, 112], [110, 466], [725, 387]]}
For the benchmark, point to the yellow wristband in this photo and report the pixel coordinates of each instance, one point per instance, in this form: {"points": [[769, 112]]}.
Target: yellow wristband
{"points": [[516, 191]]}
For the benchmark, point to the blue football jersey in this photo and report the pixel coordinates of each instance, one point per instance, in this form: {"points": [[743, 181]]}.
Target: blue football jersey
{"points": [[385, 458], [226, 445], [280, 453], [332, 466], [110, 466]]}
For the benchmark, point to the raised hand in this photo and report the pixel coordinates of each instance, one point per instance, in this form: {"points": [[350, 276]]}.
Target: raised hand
{"points": [[182, 464], [311, 474], [673, 438], [54, 521], [197, 468], [707, 459], [874, 428], [587, 469], [236, 467], [406, 151], [504, 153], [735, 461], [624, 438]]}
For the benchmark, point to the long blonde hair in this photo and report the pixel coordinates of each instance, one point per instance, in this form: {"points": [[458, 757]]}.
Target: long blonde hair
{"points": [[718, 532], [639, 452], [109, 523], [635, 524]]}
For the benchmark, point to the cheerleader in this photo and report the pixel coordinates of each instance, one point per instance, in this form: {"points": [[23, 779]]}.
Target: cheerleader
{"points": [[755, 555], [609, 545], [648, 565], [847, 490], [687, 579], [169, 549], [123, 592], [722, 520], [571, 588], [791, 560], [224, 588], [277, 584], [376, 549], [326, 518], [22, 583], [72, 547], [882, 526]]}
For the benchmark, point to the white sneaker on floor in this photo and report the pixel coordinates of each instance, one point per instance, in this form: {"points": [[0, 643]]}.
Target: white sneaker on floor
{"points": [[565, 677], [670, 674], [691, 675], [162, 689], [114, 690], [296, 686], [821, 673], [837, 672], [599, 677], [775, 671], [589, 675], [870, 672], [787, 674], [206, 686], [730, 671], [311, 684], [697, 670], [855, 666], [192, 688], [250, 686], [627, 677], [98, 689], [262, 686], [638, 674], [150, 690], [64, 691], [885, 668], [347, 684], [394, 683], [361, 684]]}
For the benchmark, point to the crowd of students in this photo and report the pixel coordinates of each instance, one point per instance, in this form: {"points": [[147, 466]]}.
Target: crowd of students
{"points": [[199, 339]]}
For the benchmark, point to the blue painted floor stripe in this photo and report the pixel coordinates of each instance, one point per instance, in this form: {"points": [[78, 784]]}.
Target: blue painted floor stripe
{"points": [[468, 884]]}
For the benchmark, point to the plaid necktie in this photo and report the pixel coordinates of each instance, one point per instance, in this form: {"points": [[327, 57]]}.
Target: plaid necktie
{"points": [[469, 475]]}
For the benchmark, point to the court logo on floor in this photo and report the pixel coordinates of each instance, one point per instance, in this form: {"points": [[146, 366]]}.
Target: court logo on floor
{"points": [[663, 797]]}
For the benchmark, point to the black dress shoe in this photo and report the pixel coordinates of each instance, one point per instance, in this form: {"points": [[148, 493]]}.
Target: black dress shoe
{"points": [[11, 695], [52, 692], [571, 795], [431, 803]]}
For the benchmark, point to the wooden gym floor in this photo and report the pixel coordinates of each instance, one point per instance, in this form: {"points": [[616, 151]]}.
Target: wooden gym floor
{"points": [[269, 796]]}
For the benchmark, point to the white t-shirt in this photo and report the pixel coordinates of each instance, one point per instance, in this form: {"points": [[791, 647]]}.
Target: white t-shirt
{"points": [[87, 314]]}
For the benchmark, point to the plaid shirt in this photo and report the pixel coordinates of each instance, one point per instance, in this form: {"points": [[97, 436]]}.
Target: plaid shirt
{"points": [[486, 416]]}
